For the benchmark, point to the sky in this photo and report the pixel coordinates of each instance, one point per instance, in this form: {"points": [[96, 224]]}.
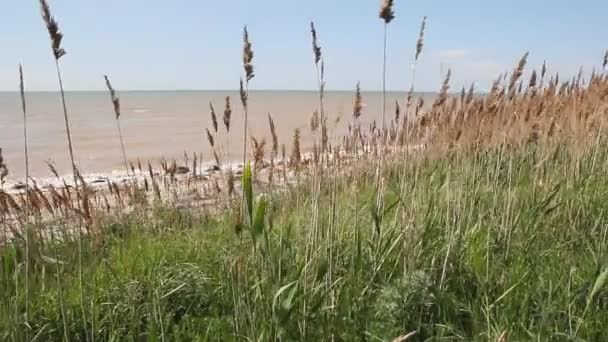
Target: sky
{"points": [[197, 44]]}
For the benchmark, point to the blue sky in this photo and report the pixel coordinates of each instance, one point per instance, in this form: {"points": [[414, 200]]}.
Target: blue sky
{"points": [[196, 44]]}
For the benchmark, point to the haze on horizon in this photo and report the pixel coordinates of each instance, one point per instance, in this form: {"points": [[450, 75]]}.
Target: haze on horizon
{"points": [[151, 45]]}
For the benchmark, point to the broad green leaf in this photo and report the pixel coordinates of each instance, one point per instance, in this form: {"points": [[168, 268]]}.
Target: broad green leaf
{"points": [[600, 282], [280, 292], [248, 191]]}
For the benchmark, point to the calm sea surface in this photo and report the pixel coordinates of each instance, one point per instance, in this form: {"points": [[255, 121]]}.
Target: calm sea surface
{"points": [[161, 124]]}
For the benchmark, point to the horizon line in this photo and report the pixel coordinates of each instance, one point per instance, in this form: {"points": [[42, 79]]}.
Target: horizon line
{"points": [[217, 90]]}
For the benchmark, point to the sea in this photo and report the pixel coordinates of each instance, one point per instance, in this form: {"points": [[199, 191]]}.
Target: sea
{"points": [[159, 125]]}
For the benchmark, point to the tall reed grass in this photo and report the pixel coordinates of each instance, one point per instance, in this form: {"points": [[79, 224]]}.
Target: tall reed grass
{"points": [[481, 218]]}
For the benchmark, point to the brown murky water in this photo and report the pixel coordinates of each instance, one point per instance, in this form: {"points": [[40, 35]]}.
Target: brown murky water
{"points": [[161, 124]]}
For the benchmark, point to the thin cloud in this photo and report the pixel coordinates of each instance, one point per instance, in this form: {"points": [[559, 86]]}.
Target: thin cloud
{"points": [[452, 53]]}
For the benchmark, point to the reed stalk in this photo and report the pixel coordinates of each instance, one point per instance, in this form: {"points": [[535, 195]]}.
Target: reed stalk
{"points": [[27, 200], [244, 93], [56, 36], [387, 15]]}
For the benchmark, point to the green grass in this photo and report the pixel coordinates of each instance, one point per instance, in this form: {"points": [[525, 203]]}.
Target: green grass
{"points": [[470, 244]]}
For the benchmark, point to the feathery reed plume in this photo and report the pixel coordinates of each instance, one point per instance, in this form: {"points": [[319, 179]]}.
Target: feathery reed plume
{"points": [[420, 43], [443, 93], [543, 71], [53, 28], [227, 114], [113, 97], [320, 70], [516, 75], [316, 49], [247, 55], [296, 155], [243, 93], [358, 106], [210, 138], [273, 133], [116, 103], [419, 46], [532, 83], [213, 117], [470, 93], [226, 119], [52, 168], [314, 121], [27, 191], [605, 64], [397, 112], [258, 152], [386, 11]]}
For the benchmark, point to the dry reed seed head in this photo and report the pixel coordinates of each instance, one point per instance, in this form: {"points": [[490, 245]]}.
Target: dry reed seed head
{"points": [[532, 83], [316, 49], [419, 105], [520, 87], [517, 72], [386, 11], [314, 121], [258, 148], [115, 99], [210, 138], [53, 28], [22, 88], [358, 106], [605, 64], [420, 43], [470, 93], [213, 117], [247, 55], [543, 70], [296, 155], [443, 94], [397, 111], [410, 96], [227, 114], [273, 133], [462, 95], [243, 94]]}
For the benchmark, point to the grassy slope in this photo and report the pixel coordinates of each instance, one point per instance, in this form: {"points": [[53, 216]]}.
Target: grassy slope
{"points": [[472, 244]]}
